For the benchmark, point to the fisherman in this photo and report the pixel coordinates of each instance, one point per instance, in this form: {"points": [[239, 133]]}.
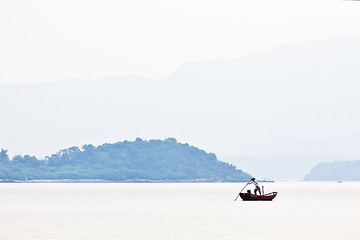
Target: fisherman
{"points": [[257, 187]]}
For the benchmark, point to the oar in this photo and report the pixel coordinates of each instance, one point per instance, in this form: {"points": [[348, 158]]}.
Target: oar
{"points": [[241, 191]]}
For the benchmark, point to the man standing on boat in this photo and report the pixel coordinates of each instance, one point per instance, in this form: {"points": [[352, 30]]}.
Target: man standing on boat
{"points": [[257, 187]]}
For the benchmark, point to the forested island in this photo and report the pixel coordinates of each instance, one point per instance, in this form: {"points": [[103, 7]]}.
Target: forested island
{"points": [[341, 170], [139, 160]]}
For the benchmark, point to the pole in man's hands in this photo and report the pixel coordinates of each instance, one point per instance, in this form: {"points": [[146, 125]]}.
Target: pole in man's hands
{"points": [[241, 191]]}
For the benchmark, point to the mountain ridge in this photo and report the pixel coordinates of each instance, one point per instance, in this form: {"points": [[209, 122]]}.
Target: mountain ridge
{"points": [[335, 171], [153, 160], [280, 98]]}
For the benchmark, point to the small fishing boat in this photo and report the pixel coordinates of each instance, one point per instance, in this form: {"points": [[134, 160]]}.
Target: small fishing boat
{"points": [[248, 196], [253, 197]]}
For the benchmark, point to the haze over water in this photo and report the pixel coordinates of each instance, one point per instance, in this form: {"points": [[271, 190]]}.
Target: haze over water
{"points": [[302, 210]]}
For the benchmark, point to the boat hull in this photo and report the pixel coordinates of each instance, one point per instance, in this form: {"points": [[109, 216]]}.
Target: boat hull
{"points": [[253, 197]]}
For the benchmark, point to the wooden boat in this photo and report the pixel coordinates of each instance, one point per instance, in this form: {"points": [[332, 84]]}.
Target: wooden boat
{"points": [[252, 197]]}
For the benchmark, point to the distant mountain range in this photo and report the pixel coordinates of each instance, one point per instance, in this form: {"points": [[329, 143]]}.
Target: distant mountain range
{"points": [[335, 171], [281, 166], [153, 160], [294, 100]]}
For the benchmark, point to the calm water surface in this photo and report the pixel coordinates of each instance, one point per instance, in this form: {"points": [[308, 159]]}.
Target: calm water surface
{"points": [[208, 211]]}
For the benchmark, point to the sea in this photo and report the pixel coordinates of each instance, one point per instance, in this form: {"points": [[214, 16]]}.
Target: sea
{"points": [[146, 211]]}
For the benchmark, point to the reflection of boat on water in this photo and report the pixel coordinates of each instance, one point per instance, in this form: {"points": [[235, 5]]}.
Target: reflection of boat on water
{"points": [[253, 197]]}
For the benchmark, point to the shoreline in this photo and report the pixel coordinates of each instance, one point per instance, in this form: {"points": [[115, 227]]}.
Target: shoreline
{"points": [[112, 181]]}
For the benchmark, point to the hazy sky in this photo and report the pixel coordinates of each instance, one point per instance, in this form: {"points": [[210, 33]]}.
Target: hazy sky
{"points": [[55, 40]]}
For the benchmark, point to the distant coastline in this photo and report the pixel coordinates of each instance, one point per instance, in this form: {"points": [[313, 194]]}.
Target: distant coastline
{"points": [[124, 181], [335, 171], [128, 161]]}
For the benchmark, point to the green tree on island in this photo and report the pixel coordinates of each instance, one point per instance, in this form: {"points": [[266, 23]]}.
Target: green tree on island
{"points": [[163, 160]]}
